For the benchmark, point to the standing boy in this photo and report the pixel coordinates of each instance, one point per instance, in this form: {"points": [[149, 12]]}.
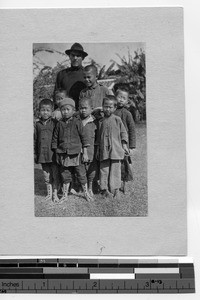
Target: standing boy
{"points": [[94, 90], [70, 144], [90, 126], [113, 141], [122, 96], [44, 155]]}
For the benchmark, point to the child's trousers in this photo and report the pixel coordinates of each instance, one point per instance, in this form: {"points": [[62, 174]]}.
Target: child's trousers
{"points": [[92, 170], [110, 174], [68, 172], [50, 172]]}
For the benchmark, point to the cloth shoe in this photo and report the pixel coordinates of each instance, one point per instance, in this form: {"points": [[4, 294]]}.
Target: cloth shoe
{"points": [[65, 192], [49, 193], [88, 197], [55, 196]]}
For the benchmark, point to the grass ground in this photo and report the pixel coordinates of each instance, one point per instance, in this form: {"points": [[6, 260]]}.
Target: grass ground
{"points": [[133, 204]]}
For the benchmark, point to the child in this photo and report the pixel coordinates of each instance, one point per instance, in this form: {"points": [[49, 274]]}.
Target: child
{"points": [[89, 123], [69, 139], [43, 132], [122, 96], [112, 148], [59, 95], [94, 90]]}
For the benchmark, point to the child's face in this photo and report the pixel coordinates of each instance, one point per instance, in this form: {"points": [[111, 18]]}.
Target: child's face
{"points": [[45, 112], [67, 111], [122, 98], [90, 77], [59, 97], [108, 108], [85, 109]]}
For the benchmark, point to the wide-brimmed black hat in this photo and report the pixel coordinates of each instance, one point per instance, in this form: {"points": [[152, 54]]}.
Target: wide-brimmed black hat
{"points": [[78, 48]]}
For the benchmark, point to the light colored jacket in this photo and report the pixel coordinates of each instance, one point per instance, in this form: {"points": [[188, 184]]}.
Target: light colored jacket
{"points": [[111, 134]]}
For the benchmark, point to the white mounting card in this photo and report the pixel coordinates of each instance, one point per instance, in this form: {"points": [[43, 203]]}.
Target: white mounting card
{"points": [[163, 230]]}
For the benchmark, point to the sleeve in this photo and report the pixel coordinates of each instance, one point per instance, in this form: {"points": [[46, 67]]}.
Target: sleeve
{"points": [[54, 143], [123, 132], [35, 139], [57, 85], [84, 135], [108, 92], [81, 96], [131, 130]]}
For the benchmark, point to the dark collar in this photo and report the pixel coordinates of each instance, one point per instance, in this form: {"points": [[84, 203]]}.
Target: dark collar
{"points": [[76, 68], [45, 122]]}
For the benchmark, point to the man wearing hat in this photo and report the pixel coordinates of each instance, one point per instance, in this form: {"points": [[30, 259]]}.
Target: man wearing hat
{"points": [[71, 79]]}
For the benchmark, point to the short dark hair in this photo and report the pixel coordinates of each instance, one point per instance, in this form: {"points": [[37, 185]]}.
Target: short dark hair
{"points": [[88, 100], [110, 98], [46, 101], [91, 67], [59, 91], [121, 87]]}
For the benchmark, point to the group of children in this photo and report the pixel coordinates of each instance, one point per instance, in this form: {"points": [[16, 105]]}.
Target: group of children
{"points": [[89, 146]]}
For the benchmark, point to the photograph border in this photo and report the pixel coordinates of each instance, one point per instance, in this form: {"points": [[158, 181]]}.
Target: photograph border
{"points": [[164, 232]]}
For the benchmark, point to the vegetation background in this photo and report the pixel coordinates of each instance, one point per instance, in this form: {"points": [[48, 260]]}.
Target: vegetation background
{"points": [[128, 69]]}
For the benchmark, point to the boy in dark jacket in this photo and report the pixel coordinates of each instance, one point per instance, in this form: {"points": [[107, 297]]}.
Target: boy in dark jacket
{"points": [[70, 143], [122, 96], [43, 132]]}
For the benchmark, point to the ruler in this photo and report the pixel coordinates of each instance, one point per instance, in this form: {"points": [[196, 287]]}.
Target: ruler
{"points": [[71, 275]]}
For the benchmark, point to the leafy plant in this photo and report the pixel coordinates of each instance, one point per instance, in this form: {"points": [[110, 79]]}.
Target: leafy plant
{"points": [[130, 71]]}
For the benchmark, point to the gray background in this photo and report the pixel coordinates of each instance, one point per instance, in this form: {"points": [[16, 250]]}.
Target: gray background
{"points": [[163, 232]]}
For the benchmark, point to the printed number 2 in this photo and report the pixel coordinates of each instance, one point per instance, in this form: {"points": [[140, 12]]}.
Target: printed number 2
{"points": [[94, 284]]}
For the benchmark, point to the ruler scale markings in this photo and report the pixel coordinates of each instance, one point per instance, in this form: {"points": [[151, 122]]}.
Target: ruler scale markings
{"points": [[176, 277]]}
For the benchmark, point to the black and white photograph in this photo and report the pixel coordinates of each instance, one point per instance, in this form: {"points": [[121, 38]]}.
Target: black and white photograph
{"points": [[93, 131], [90, 141]]}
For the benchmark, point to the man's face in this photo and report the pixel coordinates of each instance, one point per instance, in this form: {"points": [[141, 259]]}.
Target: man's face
{"points": [[76, 59]]}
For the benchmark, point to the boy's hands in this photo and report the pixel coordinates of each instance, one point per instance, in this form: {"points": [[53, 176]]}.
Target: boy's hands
{"points": [[124, 146], [85, 158], [131, 151]]}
